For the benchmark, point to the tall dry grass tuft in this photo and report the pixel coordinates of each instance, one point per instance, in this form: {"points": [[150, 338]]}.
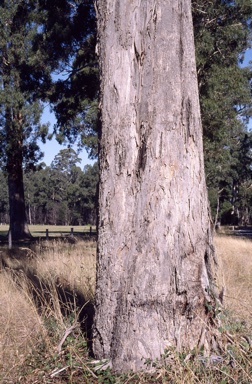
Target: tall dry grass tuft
{"points": [[235, 275], [70, 265], [42, 293], [21, 327]]}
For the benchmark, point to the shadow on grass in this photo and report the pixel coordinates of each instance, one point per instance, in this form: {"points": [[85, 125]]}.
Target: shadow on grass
{"points": [[45, 293]]}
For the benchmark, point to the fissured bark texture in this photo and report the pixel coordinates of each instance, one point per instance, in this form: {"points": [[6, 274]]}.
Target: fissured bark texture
{"points": [[154, 245]]}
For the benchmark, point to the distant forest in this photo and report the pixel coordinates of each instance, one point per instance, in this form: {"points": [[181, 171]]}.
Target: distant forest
{"points": [[59, 194]]}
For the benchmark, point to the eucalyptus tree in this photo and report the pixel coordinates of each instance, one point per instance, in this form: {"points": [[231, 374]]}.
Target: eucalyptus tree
{"points": [[155, 255], [89, 193], [65, 175]]}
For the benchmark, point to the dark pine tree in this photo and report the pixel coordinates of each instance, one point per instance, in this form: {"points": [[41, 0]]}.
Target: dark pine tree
{"points": [[21, 70], [38, 38]]}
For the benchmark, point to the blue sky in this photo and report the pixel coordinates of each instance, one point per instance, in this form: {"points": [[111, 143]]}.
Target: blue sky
{"points": [[52, 148], [248, 57]]}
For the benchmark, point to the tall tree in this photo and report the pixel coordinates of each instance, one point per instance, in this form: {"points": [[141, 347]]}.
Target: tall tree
{"points": [[155, 252], [64, 179], [88, 197], [37, 38], [19, 106], [40, 195]]}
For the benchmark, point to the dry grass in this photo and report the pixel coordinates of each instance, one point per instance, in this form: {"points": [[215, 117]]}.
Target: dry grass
{"points": [[21, 327], [41, 342], [235, 274], [33, 315], [72, 265]]}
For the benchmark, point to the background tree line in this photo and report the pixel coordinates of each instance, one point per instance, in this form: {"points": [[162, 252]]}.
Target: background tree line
{"points": [[59, 194], [47, 54], [222, 35]]}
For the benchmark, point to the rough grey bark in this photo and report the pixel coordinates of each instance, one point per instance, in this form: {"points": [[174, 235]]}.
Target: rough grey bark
{"points": [[154, 243]]}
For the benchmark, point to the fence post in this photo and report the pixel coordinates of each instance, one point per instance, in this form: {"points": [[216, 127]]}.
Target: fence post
{"points": [[47, 234], [72, 232], [10, 239], [90, 230]]}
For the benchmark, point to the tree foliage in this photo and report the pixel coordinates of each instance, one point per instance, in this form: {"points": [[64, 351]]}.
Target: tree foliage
{"points": [[222, 35], [40, 39], [21, 76], [74, 94]]}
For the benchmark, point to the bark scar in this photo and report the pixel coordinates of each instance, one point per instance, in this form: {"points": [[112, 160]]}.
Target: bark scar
{"points": [[186, 118], [116, 93], [142, 155], [139, 56]]}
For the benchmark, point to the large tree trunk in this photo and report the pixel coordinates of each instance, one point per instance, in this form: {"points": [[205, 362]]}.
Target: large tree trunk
{"points": [[154, 243], [18, 221]]}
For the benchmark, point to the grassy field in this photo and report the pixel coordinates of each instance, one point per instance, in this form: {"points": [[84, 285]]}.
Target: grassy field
{"points": [[46, 310], [46, 292], [54, 230], [235, 274]]}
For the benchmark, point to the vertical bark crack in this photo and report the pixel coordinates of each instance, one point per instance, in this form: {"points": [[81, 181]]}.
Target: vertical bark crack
{"points": [[186, 117], [142, 155]]}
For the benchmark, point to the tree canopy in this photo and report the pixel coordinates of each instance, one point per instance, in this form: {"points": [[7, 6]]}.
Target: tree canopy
{"points": [[222, 35], [74, 93], [39, 40]]}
